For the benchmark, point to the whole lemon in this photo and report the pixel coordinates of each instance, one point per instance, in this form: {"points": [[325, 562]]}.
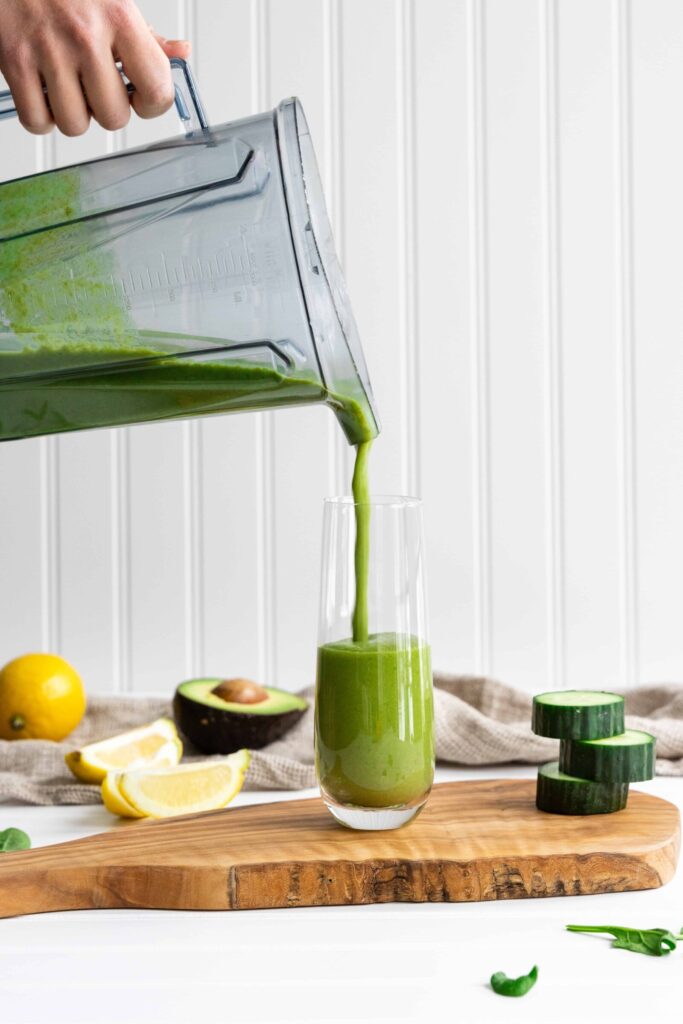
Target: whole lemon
{"points": [[41, 698]]}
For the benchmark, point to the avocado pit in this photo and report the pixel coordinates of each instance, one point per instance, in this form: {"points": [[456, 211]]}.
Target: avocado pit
{"points": [[240, 691]]}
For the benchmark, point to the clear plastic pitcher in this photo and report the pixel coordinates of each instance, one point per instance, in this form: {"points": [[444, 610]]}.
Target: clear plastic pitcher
{"points": [[194, 276]]}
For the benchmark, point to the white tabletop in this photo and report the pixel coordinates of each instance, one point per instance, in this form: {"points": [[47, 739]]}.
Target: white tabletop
{"points": [[419, 963]]}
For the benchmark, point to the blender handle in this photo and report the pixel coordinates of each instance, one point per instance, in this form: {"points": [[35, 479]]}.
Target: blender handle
{"points": [[187, 101], [188, 104]]}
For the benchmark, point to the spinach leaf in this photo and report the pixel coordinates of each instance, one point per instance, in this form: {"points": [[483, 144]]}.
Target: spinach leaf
{"points": [[504, 986], [650, 941], [14, 839]]}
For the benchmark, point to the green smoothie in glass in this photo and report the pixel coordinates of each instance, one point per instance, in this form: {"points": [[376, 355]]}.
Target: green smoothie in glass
{"points": [[375, 745], [374, 704]]}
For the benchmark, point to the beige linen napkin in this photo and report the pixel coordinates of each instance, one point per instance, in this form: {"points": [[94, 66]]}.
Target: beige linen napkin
{"points": [[478, 721]]}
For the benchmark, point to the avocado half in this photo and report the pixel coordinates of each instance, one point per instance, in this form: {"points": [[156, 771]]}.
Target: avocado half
{"points": [[217, 726]]}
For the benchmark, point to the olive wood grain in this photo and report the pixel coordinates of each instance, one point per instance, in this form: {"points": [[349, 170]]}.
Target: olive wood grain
{"points": [[480, 840]]}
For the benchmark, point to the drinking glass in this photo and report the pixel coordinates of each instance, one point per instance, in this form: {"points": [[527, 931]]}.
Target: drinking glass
{"points": [[374, 736]]}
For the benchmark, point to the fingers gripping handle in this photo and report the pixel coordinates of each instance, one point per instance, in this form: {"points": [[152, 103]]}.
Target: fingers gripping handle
{"points": [[187, 101]]}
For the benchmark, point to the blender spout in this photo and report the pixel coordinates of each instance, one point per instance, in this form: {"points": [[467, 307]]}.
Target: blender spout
{"points": [[356, 412]]}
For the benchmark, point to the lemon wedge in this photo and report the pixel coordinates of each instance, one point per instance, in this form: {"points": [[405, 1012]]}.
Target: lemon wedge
{"points": [[202, 786], [156, 744], [114, 801]]}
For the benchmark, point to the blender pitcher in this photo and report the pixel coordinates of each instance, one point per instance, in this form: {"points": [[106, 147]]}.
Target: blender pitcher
{"points": [[196, 275]]}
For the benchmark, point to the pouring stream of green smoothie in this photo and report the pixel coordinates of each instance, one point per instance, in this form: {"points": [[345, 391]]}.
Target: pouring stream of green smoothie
{"points": [[361, 497]]}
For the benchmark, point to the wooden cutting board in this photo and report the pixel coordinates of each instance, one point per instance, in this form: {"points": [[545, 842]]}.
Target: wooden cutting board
{"points": [[474, 841]]}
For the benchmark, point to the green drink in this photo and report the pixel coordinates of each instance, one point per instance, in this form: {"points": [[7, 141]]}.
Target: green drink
{"points": [[374, 705], [374, 726]]}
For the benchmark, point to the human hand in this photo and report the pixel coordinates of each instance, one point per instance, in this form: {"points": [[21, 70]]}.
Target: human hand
{"points": [[70, 47]]}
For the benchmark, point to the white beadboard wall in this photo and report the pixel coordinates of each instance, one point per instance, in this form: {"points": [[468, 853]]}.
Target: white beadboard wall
{"points": [[504, 178]]}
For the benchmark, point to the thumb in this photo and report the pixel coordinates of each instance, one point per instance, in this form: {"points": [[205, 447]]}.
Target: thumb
{"points": [[176, 47], [173, 47]]}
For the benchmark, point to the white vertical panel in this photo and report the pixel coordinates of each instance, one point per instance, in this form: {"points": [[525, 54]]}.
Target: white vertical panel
{"points": [[656, 38], [121, 596], [82, 510], [443, 339], [22, 625], [230, 457], [301, 445], [626, 456], [554, 384], [372, 232], [408, 252], [157, 566], [331, 157], [18, 149], [515, 335], [479, 333], [585, 455]]}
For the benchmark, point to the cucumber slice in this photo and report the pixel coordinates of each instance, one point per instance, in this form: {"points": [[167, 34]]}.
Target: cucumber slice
{"points": [[558, 793], [577, 714], [629, 757]]}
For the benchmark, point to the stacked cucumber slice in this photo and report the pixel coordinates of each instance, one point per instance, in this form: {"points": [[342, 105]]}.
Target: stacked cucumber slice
{"points": [[598, 756], [629, 757], [578, 714], [560, 793]]}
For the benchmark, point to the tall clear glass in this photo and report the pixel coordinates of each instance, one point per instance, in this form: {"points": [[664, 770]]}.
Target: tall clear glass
{"points": [[374, 719]]}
